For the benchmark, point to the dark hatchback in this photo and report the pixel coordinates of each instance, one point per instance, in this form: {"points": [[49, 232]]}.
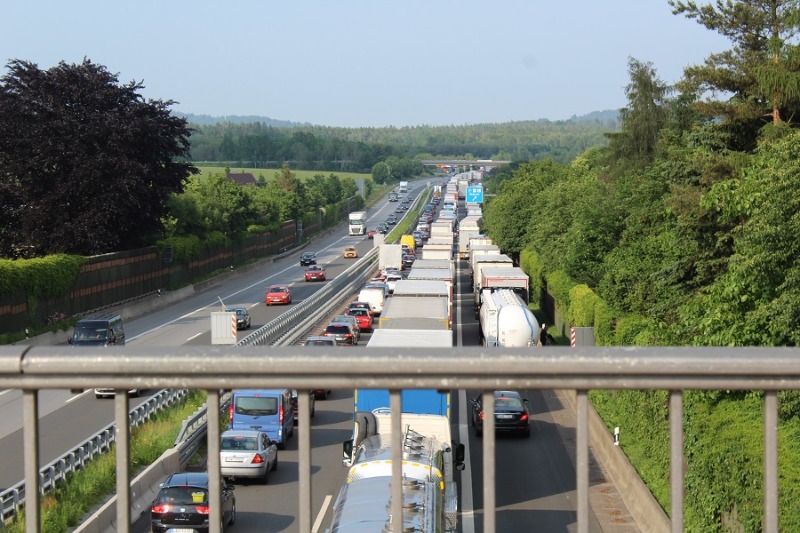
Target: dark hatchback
{"points": [[510, 414], [182, 504]]}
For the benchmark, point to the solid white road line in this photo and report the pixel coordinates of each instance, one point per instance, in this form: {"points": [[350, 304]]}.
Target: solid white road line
{"points": [[321, 514]]}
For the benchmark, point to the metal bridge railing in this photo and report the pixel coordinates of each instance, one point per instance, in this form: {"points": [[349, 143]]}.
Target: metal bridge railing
{"points": [[215, 368]]}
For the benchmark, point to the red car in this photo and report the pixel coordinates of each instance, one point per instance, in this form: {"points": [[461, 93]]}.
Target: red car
{"points": [[361, 305], [371, 234], [363, 317], [278, 294], [315, 273]]}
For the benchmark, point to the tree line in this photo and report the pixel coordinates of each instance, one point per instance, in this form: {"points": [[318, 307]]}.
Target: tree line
{"points": [[685, 227]]}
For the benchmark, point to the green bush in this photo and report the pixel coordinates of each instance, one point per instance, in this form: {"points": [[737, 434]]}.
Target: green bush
{"points": [[628, 328], [530, 263], [559, 285], [604, 320], [582, 307], [41, 277]]}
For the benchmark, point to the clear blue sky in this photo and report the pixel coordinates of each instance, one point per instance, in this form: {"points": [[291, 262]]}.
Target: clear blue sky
{"points": [[365, 62]]}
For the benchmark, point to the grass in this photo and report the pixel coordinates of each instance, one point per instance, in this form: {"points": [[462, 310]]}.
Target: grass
{"points": [[85, 489], [206, 171]]}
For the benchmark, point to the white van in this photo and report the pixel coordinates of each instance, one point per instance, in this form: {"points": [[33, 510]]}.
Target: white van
{"points": [[375, 297]]}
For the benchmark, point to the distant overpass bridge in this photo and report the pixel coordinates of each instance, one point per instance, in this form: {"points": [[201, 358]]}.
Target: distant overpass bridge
{"points": [[465, 162]]}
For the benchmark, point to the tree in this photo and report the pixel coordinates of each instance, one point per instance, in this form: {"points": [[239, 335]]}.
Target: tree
{"points": [[86, 165], [762, 71]]}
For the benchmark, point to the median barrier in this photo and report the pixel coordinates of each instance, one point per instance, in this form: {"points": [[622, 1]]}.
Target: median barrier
{"points": [[144, 489]]}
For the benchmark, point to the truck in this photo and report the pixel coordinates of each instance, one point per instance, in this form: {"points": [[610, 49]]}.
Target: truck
{"points": [[506, 321], [462, 188], [469, 226], [481, 260], [501, 276], [437, 253], [431, 455], [403, 187], [477, 252], [393, 196], [357, 223], [390, 256], [416, 288], [420, 313]]}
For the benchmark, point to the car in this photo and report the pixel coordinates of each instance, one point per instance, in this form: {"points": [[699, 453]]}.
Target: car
{"points": [[398, 209], [391, 220], [312, 406], [408, 260], [247, 454], [362, 316], [320, 340], [315, 273], [353, 321], [371, 234], [382, 228], [242, 316], [350, 252], [342, 332], [278, 294], [510, 414], [361, 305], [378, 285], [182, 503], [308, 258], [391, 280]]}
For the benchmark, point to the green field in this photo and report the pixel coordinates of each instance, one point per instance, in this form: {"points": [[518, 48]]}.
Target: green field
{"points": [[270, 172]]}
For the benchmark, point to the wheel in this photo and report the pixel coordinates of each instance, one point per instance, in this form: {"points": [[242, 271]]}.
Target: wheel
{"points": [[478, 432], [282, 445], [233, 515], [275, 464], [313, 408], [265, 479]]}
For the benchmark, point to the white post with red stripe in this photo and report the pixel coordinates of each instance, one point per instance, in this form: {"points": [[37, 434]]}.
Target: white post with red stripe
{"points": [[573, 340]]}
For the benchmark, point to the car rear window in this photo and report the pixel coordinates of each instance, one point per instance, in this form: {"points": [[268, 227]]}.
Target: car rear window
{"points": [[256, 405], [239, 443], [337, 329], [277, 289], [183, 495]]}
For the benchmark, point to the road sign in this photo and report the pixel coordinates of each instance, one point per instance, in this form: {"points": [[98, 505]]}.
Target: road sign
{"points": [[475, 194]]}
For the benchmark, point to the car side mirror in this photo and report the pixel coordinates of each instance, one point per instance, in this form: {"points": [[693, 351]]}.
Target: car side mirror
{"points": [[347, 451]]}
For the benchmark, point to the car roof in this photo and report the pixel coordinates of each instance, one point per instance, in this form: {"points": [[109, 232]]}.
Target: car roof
{"points": [[309, 253], [507, 394], [278, 286], [187, 479], [241, 433], [315, 338]]}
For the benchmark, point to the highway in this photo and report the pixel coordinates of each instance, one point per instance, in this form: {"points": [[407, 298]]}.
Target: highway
{"points": [[535, 476]]}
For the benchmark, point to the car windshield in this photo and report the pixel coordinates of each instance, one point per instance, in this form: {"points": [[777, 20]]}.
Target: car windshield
{"points": [[508, 402], [359, 312], [88, 333], [239, 312], [256, 405], [239, 443]]}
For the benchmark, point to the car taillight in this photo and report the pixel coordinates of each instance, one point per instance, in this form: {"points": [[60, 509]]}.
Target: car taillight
{"points": [[230, 413], [524, 416], [280, 415], [202, 509], [161, 508], [258, 459], [482, 416]]}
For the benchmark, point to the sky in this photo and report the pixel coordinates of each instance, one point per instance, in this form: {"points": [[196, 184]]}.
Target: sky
{"points": [[365, 63]]}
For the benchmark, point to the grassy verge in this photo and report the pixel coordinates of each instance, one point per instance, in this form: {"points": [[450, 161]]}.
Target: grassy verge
{"points": [[86, 489]]}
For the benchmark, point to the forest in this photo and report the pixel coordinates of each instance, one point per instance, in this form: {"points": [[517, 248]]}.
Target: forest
{"points": [[683, 231]]}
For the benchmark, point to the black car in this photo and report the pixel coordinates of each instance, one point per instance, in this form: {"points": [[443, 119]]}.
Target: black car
{"points": [[308, 258], [182, 504], [242, 316], [510, 414], [382, 228], [312, 397], [391, 220]]}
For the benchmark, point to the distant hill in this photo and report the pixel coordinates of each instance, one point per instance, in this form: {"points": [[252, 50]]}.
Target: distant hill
{"points": [[608, 116], [208, 120]]}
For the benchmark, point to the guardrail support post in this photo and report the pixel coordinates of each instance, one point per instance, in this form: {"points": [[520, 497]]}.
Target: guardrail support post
{"points": [[214, 472], [30, 435]]}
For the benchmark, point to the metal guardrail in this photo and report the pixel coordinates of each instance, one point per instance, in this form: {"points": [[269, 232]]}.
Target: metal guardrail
{"points": [[474, 368], [57, 471]]}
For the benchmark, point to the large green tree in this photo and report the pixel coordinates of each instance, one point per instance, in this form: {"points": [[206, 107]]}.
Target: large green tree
{"points": [[86, 164], [762, 70]]}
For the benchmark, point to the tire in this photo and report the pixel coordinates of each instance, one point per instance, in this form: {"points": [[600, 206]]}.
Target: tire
{"points": [[367, 425], [313, 408], [478, 432], [233, 515], [265, 479], [282, 445], [275, 464]]}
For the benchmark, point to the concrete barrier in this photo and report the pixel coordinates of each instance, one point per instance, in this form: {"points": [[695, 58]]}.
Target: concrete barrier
{"points": [[144, 489], [641, 504]]}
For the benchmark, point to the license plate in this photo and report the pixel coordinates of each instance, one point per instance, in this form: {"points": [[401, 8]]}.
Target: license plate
{"points": [[181, 530], [234, 459], [505, 417]]}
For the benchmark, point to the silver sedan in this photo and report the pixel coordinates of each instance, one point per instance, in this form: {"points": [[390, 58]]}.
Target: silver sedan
{"points": [[247, 454]]}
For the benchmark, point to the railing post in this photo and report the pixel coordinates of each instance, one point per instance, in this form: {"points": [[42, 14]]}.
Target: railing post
{"points": [[676, 459], [582, 459], [304, 458], [213, 463], [30, 431], [771, 461], [395, 408], [489, 477], [122, 432]]}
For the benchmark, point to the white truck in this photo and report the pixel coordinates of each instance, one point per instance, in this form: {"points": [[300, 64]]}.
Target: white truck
{"points": [[419, 313], [469, 226], [402, 188], [390, 256], [501, 276], [414, 289], [357, 223], [431, 456], [506, 321]]}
